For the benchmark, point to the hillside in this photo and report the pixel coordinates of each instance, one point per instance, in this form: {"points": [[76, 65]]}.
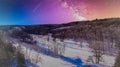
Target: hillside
{"points": [[78, 44]]}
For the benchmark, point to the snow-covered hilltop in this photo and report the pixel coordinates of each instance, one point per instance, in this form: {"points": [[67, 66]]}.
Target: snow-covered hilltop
{"points": [[79, 44]]}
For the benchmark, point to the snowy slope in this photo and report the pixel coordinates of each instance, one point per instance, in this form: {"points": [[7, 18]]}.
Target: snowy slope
{"points": [[84, 53], [74, 55], [48, 61]]}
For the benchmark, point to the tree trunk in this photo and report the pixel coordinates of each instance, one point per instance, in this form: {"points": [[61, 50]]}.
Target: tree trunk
{"points": [[117, 62]]}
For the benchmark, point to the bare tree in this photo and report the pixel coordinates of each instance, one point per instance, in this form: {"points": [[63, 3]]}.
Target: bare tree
{"points": [[98, 51], [117, 61]]}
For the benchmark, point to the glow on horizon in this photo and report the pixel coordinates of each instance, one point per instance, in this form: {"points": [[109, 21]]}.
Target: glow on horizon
{"points": [[23, 12]]}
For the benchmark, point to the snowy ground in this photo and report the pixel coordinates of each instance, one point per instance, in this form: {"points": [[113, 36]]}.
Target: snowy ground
{"points": [[48, 61], [74, 56]]}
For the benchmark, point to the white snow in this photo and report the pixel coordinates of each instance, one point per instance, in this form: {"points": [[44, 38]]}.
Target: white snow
{"points": [[84, 53], [48, 61], [73, 50], [63, 28], [74, 54]]}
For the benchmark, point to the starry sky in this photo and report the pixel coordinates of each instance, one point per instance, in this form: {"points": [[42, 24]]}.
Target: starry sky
{"points": [[22, 12]]}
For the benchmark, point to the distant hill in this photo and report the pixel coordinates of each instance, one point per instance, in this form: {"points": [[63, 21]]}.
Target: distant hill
{"points": [[75, 30]]}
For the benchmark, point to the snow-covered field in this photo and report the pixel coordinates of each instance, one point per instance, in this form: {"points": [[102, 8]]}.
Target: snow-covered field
{"points": [[48, 61], [74, 55]]}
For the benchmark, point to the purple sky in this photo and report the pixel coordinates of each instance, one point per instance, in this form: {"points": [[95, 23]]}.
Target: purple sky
{"points": [[56, 11]]}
